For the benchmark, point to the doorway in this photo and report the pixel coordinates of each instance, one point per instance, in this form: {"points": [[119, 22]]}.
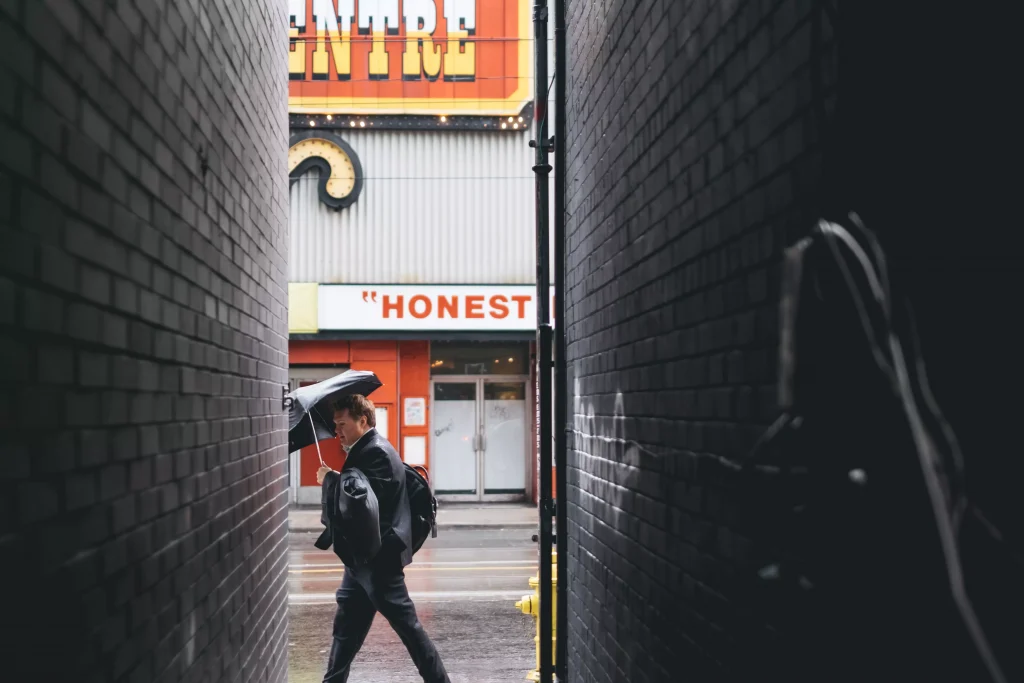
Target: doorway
{"points": [[479, 437]]}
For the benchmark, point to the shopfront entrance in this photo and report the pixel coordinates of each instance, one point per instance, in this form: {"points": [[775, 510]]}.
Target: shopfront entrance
{"points": [[480, 437], [462, 409]]}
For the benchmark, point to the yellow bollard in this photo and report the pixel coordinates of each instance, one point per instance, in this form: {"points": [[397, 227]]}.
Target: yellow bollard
{"points": [[530, 604]]}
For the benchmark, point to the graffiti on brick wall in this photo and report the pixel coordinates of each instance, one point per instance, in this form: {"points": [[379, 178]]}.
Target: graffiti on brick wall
{"points": [[603, 438]]}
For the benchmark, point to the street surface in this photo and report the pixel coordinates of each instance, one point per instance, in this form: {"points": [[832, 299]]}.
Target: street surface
{"points": [[465, 584]]}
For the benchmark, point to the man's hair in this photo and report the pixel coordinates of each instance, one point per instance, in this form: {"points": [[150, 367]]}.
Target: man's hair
{"points": [[357, 406]]}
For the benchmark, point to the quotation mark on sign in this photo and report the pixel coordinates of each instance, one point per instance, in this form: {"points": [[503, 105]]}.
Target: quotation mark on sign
{"points": [[372, 295]]}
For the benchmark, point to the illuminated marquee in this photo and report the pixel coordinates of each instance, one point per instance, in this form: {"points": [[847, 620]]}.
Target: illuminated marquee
{"points": [[341, 173], [434, 57]]}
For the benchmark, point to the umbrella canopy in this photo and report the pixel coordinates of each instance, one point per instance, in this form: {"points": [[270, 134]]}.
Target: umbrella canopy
{"points": [[310, 413]]}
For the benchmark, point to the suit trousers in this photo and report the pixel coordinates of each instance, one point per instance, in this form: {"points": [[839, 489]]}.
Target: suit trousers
{"points": [[379, 587]]}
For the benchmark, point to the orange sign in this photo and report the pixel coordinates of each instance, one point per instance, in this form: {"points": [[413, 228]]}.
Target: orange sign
{"points": [[426, 57]]}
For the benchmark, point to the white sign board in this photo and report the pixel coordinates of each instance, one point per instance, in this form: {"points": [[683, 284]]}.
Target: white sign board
{"points": [[382, 420], [428, 307], [414, 450]]}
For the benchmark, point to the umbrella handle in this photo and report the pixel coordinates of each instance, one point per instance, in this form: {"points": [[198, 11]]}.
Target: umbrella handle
{"points": [[315, 440]]}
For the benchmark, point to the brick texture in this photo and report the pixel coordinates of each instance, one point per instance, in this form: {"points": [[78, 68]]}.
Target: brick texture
{"points": [[693, 157], [703, 137], [143, 214]]}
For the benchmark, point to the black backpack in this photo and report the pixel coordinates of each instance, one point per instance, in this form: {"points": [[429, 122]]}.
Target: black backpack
{"points": [[422, 504], [865, 509]]}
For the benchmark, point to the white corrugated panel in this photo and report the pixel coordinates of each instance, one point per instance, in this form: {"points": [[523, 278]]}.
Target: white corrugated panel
{"points": [[436, 207]]}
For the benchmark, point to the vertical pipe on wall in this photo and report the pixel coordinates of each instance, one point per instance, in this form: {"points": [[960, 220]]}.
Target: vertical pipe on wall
{"points": [[561, 378], [542, 169]]}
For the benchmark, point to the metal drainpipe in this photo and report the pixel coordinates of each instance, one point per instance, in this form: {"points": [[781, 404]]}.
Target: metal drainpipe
{"points": [[561, 369], [542, 168]]}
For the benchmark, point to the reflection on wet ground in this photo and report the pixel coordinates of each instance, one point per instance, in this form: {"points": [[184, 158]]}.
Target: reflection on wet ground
{"points": [[465, 585]]}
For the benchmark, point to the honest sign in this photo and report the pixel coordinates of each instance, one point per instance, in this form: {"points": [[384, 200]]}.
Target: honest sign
{"points": [[428, 307]]}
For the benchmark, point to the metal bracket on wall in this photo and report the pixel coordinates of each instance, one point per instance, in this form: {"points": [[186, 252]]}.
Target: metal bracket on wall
{"points": [[549, 147], [286, 400]]}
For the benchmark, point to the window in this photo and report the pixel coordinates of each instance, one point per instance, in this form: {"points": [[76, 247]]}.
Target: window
{"points": [[504, 391], [455, 391], [479, 358]]}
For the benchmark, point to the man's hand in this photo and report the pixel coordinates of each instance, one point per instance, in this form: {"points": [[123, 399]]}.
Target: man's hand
{"points": [[321, 473]]}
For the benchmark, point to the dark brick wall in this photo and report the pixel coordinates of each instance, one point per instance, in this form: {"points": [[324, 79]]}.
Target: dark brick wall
{"points": [[143, 214], [692, 156], [696, 152]]}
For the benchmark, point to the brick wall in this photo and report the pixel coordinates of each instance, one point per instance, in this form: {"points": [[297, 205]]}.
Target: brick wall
{"points": [[143, 213], [696, 152], [693, 157]]}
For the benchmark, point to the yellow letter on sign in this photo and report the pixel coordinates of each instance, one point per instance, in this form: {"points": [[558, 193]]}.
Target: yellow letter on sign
{"points": [[460, 60], [296, 47], [379, 17], [334, 27], [420, 24]]}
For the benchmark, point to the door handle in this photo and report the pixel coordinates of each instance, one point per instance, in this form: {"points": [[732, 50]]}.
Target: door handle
{"points": [[483, 442]]}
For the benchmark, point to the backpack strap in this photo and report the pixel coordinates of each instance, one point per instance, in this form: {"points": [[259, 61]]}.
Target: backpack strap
{"points": [[905, 373], [422, 471]]}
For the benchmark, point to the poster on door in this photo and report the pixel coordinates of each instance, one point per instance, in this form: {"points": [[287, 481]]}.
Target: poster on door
{"points": [[415, 412]]}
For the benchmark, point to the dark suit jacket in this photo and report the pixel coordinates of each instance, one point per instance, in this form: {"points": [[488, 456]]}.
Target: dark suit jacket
{"points": [[349, 513], [379, 461]]}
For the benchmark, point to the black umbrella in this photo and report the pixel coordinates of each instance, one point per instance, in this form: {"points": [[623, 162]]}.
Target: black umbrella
{"points": [[310, 410]]}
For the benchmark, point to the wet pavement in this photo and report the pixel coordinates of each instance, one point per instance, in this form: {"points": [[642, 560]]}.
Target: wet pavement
{"points": [[465, 584]]}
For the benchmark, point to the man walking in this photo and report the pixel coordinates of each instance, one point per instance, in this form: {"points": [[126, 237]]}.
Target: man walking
{"points": [[380, 585]]}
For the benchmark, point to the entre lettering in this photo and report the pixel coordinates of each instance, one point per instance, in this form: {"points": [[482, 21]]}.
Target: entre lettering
{"points": [[329, 28]]}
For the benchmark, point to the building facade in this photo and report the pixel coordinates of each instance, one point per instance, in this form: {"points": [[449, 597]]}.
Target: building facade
{"points": [[143, 322], [412, 232]]}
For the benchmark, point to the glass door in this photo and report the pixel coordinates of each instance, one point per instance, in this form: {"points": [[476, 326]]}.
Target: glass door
{"points": [[479, 438], [504, 440], [454, 439]]}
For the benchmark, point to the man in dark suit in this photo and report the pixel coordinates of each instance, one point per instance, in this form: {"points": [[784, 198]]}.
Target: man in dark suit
{"points": [[380, 585]]}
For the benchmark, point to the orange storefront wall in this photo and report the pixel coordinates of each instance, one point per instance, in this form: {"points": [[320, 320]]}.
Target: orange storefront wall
{"points": [[414, 361], [404, 369]]}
